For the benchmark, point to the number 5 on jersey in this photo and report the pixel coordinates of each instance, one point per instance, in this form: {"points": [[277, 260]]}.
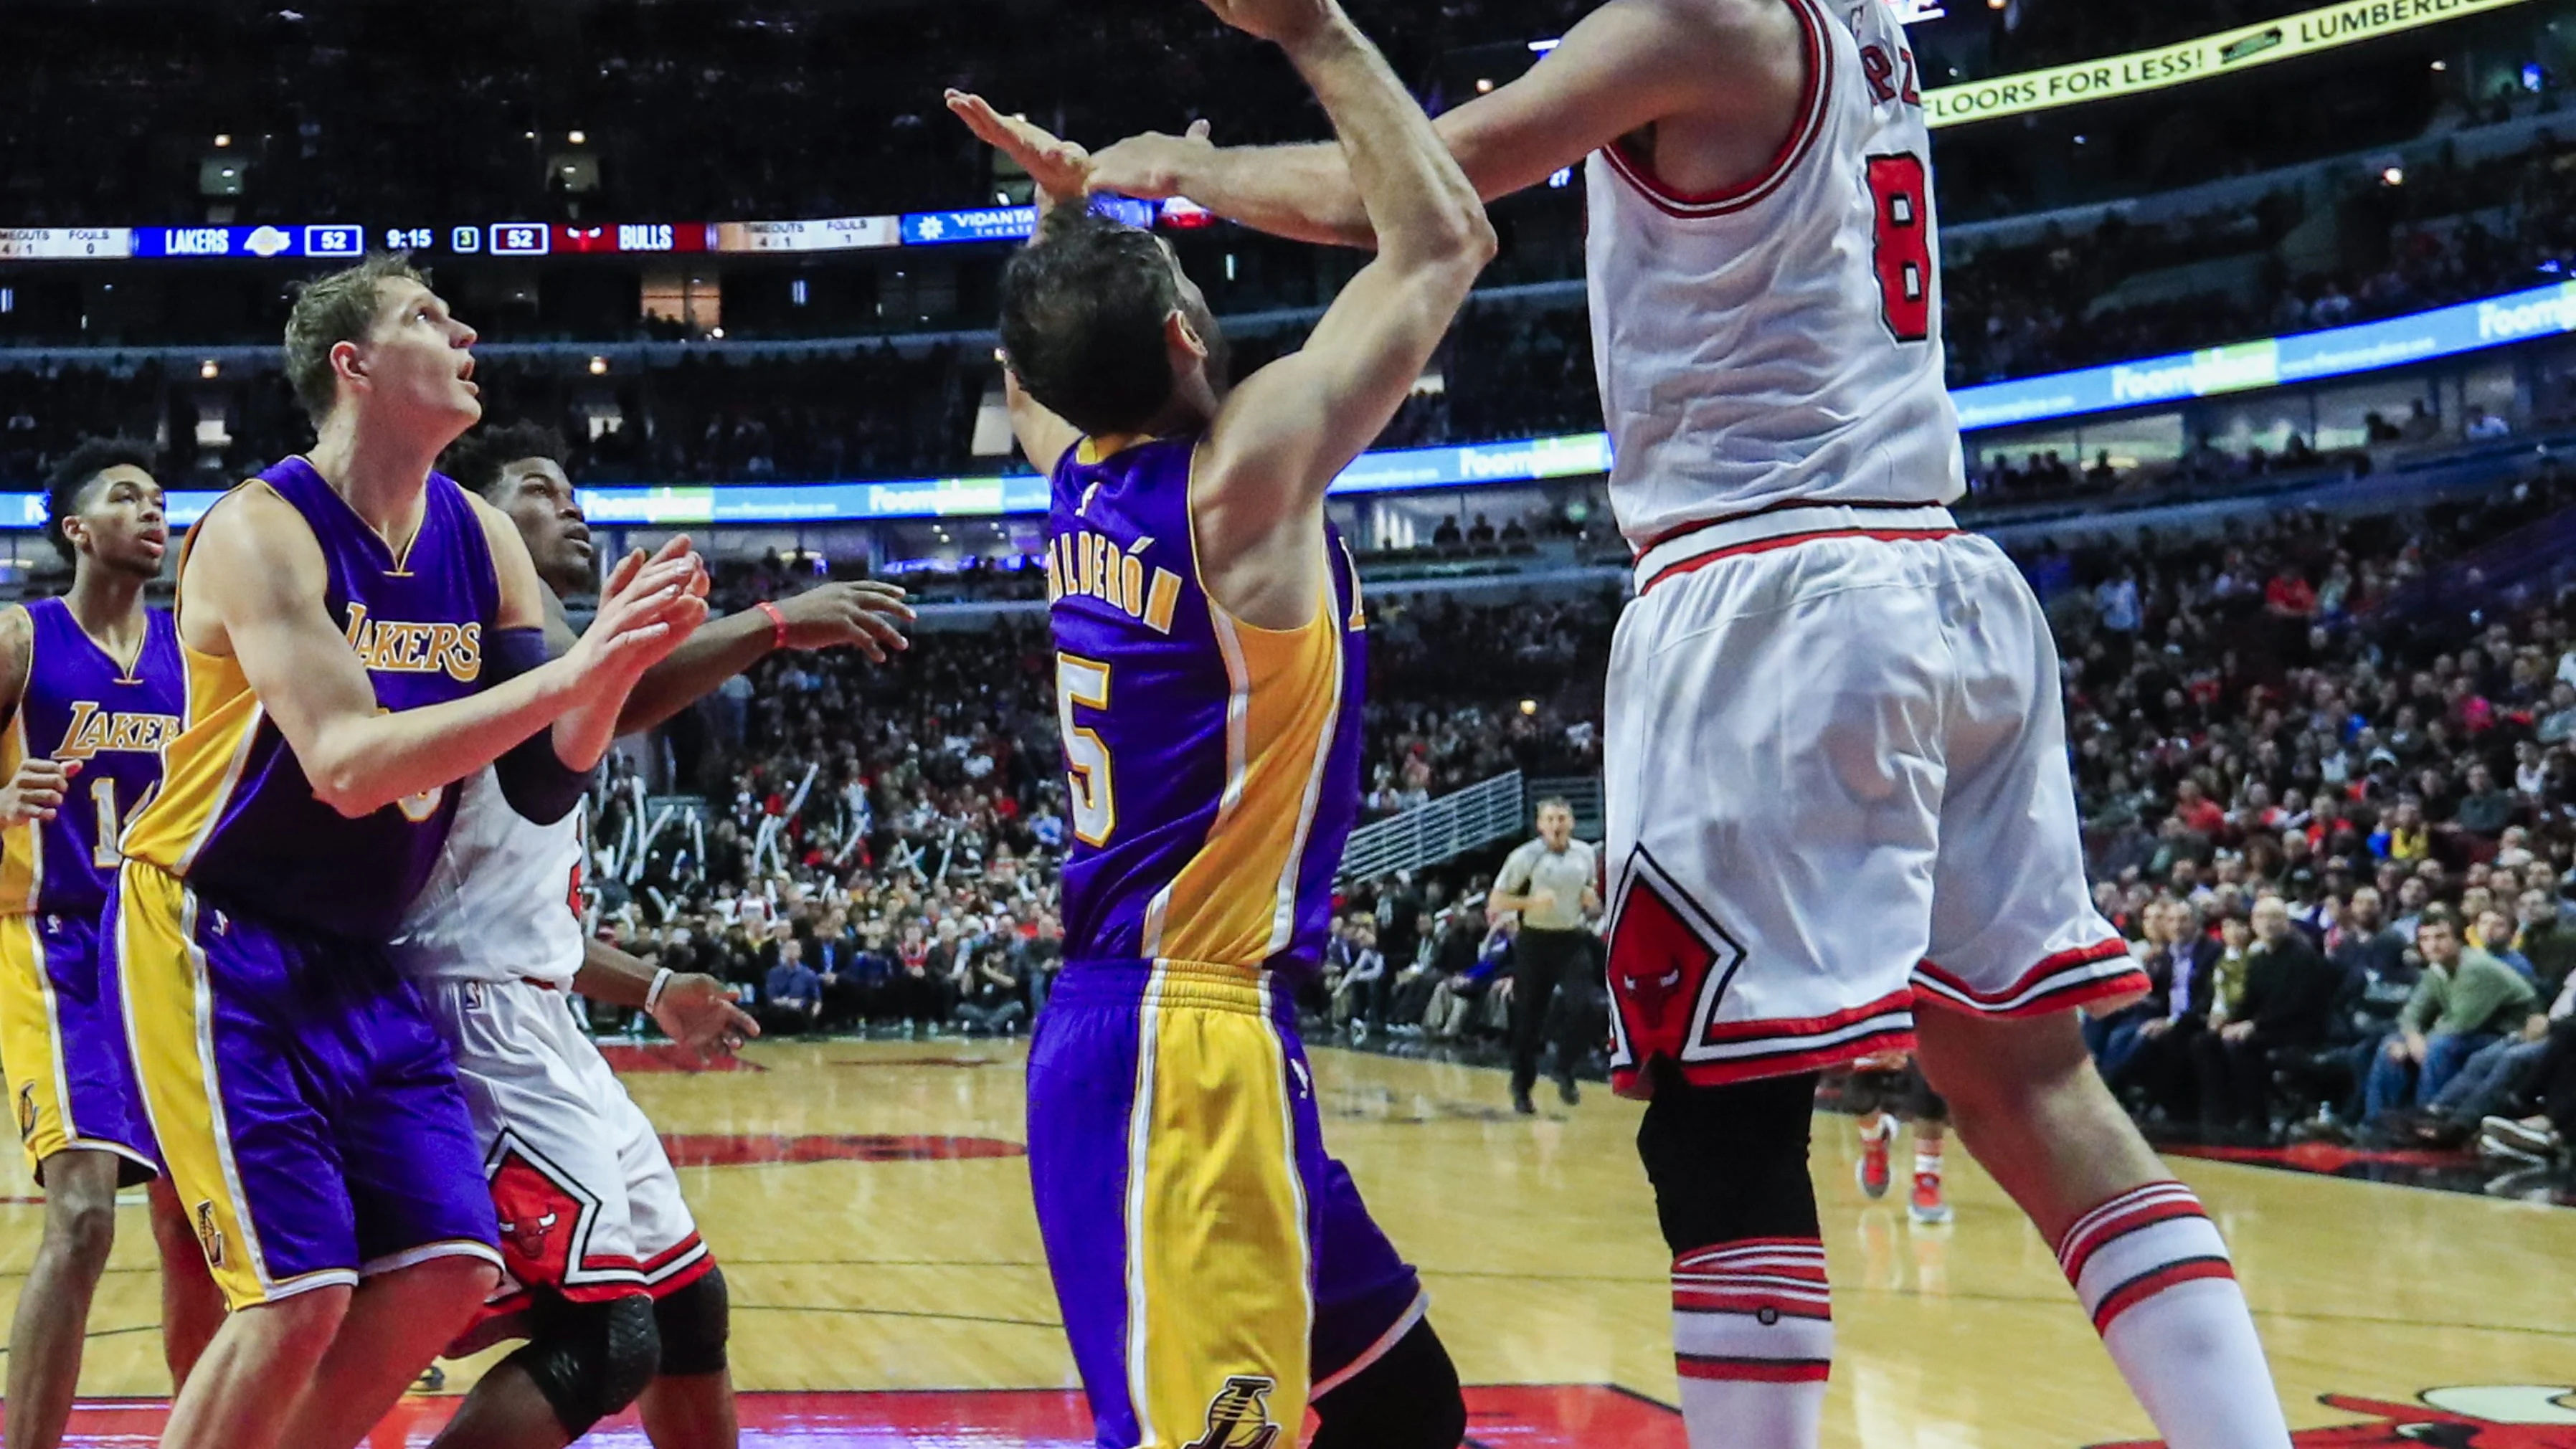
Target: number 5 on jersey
{"points": [[1085, 683]]}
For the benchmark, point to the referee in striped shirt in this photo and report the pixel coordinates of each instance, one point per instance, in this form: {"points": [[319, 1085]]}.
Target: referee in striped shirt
{"points": [[1550, 881]]}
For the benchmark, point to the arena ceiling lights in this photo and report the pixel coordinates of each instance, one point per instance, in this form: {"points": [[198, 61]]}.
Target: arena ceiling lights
{"points": [[2211, 56]]}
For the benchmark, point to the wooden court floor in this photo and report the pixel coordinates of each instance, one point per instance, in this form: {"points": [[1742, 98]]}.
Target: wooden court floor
{"points": [[872, 1211]]}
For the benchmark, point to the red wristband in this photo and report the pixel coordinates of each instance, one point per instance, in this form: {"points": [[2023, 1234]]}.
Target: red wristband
{"points": [[777, 623]]}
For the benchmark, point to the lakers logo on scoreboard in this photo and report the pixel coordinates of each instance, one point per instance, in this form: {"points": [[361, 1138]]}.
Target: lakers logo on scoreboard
{"points": [[1239, 1416], [210, 1234], [2486, 1416]]}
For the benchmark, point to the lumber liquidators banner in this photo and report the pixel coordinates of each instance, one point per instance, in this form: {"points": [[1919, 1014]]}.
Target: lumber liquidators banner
{"points": [[2209, 56]]}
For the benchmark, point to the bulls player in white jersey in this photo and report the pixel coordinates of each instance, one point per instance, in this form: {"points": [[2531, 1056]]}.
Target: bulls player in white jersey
{"points": [[1837, 783], [604, 1273]]}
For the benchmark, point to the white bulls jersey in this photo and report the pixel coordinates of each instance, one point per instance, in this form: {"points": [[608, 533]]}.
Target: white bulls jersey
{"points": [[1781, 342], [503, 903]]}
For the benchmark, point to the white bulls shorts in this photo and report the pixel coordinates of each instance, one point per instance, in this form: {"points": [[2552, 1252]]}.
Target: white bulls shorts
{"points": [[1837, 787], [589, 1205]]}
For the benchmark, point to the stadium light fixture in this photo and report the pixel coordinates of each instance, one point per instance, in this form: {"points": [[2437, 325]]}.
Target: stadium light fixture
{"points": [[599, 367], [223, 139], [578, 138], [210, 369]]}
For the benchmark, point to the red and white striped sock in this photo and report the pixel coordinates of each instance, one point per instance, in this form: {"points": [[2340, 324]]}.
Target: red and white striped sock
{"points": [[1753, 1338], [2154, 1273]]}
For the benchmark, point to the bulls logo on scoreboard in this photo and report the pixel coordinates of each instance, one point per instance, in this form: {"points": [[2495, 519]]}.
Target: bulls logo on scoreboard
{"points": [[2488, 1416]]}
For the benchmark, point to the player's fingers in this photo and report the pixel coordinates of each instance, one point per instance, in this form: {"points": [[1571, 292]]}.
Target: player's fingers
{"points": [[42, 771], [743, 1026], [989, 125], [877, 634], [40, 797], [1200, 129]]}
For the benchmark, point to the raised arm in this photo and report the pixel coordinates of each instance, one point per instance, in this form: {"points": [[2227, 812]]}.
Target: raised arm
{"points": [[1061, 171], [1730, 64], [1291, 428], [256, 579]]}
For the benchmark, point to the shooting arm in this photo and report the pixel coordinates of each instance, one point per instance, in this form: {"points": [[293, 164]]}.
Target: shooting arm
{"points": [[1627, 65], [1292, 428]]}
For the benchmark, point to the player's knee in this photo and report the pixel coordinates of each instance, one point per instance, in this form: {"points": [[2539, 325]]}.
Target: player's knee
{"points": [[80, 1206], [1730, 1163], [82, 1229], [695, 1322], [1408, 1399], [454, 1287], [590, 1360]]}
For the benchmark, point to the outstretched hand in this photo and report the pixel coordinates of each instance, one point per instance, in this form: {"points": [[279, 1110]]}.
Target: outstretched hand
{"points": [[866, 616], [697, 1012], [647, 608], [1149, 167], [1061, 168]]}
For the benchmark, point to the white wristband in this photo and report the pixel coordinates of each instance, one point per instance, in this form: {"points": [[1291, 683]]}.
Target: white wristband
{"points": [[653, 993]]}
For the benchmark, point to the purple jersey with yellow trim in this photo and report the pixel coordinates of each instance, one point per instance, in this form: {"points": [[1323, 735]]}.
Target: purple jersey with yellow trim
{"points": [[1213, 767], [237, 818], [81, 704]]}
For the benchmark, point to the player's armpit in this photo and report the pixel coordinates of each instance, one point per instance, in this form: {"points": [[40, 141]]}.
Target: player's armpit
{"points": [[1292, 427], [1044, 438]]}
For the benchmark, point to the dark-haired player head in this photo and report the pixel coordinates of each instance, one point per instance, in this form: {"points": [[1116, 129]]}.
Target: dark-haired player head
{"points": [[1106, 331], [519, 469], [105, 512]]}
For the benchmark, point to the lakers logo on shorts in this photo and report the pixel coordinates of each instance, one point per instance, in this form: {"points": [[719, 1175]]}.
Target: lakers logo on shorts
{"points": [[209, 1236], [1239, 1416], [26, 1111]]}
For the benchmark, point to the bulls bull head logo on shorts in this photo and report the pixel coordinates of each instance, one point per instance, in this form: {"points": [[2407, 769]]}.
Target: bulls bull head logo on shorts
{"points": [[530, 1237]]}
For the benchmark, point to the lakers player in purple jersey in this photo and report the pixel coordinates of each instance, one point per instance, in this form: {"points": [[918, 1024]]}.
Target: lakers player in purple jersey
{"points": [[1216, 1269], [359, 633], [91, 690]]}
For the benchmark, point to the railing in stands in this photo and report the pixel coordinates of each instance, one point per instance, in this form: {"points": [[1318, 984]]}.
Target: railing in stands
{"points": [[1429, 834]]}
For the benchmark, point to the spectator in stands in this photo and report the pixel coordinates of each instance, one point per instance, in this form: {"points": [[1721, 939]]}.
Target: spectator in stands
{"points": [[2546, 939], [2287, 1007], [995, 998], [2465, 1000], [2143, 1050], [792, 997]]}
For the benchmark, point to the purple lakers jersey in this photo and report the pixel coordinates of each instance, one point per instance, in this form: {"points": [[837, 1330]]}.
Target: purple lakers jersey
{"points": [[237, 818], [1213, 768], [82, 705]]}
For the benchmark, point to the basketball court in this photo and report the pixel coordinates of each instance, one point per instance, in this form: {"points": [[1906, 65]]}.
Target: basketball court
{"points": [[870, 1203]]}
